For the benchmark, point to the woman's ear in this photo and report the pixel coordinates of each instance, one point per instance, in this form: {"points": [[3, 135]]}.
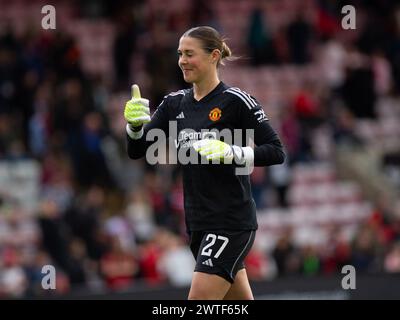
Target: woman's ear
{"points": [[215, 55]]}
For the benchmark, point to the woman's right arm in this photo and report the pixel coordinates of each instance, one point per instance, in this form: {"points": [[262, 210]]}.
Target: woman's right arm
{"points": [[137, 143]]}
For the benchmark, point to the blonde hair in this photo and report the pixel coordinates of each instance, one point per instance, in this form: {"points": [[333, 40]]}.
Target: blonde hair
{"points": [[211, 40]]}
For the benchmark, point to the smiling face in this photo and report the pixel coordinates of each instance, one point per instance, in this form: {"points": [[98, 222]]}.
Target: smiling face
{"points": [[196, 63]]}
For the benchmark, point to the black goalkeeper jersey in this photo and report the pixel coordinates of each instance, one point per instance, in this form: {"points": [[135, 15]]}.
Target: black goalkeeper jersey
{"points": [[215, 197]]}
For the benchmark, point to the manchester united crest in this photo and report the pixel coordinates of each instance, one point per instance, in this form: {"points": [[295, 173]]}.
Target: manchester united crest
{"points": [[215, 114]]}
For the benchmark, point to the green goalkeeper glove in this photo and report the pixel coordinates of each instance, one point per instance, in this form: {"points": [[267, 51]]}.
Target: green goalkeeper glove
{"points": [[137, 111], [219, 150]]}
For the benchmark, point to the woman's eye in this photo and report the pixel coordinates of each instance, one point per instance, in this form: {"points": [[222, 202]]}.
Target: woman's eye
{"points": [[180, 54]]}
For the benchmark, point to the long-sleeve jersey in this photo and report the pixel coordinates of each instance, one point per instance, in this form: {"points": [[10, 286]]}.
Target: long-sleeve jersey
{"points": [[215, 197]]}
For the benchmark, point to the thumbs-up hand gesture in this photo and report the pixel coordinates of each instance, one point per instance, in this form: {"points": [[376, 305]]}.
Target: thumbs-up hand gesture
{"points": [[137, 111]]}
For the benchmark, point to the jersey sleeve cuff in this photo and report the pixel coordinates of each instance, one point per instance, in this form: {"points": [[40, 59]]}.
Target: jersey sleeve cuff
{"points": [[135, 135]]}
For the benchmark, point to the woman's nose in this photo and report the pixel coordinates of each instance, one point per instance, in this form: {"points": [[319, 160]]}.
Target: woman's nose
{"points": [[182, 61]]}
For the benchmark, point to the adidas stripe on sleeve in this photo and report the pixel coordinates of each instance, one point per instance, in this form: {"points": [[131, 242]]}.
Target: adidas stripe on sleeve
{"points": [[268, 149]]}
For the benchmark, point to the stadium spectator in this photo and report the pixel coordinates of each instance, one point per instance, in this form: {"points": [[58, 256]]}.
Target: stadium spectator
{"points": [[118, 266]]}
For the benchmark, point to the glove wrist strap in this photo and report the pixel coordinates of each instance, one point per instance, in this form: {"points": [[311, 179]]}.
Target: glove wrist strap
{"points": [[243, 155], [238, 155], [133, 132]]}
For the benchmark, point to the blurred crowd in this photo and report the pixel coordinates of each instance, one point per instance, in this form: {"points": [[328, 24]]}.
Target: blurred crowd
{"points": [[108, 223]]}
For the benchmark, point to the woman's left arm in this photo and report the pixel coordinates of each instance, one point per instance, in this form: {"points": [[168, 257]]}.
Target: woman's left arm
{"points": [[268, 148]]}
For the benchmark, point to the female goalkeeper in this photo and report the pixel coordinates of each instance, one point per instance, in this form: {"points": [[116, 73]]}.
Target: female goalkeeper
{"points": [[220, 212]]}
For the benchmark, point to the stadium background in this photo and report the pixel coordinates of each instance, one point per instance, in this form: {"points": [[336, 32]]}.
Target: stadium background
{"points": [[113, 227]]}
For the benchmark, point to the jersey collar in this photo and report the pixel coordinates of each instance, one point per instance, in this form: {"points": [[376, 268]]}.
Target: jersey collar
{"points": [[219, 88]]}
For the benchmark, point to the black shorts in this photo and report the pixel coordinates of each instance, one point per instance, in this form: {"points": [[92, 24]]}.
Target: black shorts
{"points": [[221, 252]]}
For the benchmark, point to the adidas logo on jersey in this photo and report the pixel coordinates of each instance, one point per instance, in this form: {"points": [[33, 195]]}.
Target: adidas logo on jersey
{"points": [[208, 262], [180, 116]]}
